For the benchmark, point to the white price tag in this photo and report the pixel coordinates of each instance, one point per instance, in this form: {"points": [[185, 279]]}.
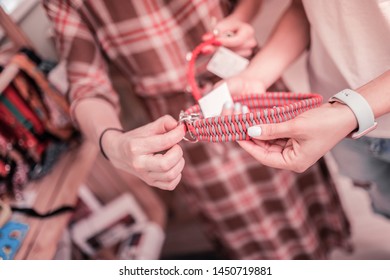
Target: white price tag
{"points": [[226, 63], [212, 103]]}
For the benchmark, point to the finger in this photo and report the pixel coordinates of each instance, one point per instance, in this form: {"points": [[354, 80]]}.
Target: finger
{"points": [[227, 108], [207, 88], [244, 49], [242, 36], [237, 108], [208, 50], [207, 36], [264, 156], [169, 186], [234, 85], [272, 131], [160, 126], [163, 162], [168, 176], [271, 145], [244, 53], [226, 28], [161, 142]]}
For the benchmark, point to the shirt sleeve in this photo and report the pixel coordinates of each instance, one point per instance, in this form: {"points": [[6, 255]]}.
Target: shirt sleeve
{"points": [[87, 70]]}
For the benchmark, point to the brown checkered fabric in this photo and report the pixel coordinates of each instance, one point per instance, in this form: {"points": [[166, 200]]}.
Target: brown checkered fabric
{"points": [[254, 212]]}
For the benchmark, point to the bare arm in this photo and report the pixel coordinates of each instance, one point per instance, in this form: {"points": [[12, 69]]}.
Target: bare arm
{"points": [[377, 94], [287, 42], [246, 10]]}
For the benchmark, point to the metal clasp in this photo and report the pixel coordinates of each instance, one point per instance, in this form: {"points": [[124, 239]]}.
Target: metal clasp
{"points": [[186, 119]]}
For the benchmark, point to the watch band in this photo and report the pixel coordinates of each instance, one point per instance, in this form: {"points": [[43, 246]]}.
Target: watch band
{"points": [[360, 108]]}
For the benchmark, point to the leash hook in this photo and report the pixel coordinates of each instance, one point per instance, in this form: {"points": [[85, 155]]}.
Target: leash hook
{"points": [[187, 119]]}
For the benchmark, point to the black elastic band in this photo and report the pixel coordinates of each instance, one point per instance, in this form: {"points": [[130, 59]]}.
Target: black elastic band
{"points": [[101, 137], [31, 212]]}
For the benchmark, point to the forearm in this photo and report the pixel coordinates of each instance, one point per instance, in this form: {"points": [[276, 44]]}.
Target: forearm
{"points": [[246, 10], [377, 94], [94, 115], [287, 42]]}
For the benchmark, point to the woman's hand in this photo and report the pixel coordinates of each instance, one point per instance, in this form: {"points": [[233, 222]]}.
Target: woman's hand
{"points": [[243, 85], [234, 34], [297, 144], [150, 152]]}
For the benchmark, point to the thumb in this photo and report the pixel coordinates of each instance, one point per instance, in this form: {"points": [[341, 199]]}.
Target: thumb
{"points": [[272, 131], [163, 141], [159, 126], [234, 85]]}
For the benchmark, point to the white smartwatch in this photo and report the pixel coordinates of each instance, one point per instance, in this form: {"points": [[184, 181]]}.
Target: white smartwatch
{"points": [[360, 108]]}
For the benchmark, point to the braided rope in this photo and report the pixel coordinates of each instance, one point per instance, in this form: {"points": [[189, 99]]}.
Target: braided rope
{"points": [[270, 107]]}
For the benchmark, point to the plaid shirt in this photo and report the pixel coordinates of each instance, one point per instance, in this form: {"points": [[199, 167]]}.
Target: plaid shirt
{"points": [[147, 40]]}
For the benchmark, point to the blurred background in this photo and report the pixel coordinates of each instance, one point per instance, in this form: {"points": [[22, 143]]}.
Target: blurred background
{"points": [[184, 238]]}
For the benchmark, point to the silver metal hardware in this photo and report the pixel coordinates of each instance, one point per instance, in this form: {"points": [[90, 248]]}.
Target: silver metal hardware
{"points": [[186, 119]]}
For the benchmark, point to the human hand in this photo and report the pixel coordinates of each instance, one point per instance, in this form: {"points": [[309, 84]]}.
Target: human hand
{"points": [[234, 34], [240, 85], [244, 85], [139, 152], [297, 144]]}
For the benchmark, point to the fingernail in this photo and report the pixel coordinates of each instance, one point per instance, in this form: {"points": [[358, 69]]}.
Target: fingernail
{"points": [[254, 131], [215, 32], [237, 107], [228, 105], [245, 109]]}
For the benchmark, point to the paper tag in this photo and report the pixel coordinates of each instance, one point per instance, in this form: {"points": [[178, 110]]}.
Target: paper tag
{"points": [[212, 103], [226, 63]]}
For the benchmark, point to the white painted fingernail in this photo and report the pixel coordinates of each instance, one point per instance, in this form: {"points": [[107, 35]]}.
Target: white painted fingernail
{"points": [[254, 131], [228, 105], [245, 109], [237, 107]]}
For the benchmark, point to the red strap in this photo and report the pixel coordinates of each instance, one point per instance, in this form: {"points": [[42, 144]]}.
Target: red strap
{"points": [[191, 66], [270, 107]]}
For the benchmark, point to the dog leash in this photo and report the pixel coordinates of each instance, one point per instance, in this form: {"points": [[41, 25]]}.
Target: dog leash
{"points": [[270, 107]]}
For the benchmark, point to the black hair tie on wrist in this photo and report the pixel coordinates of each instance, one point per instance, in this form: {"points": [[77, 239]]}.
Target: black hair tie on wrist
{"points": [[101, 137]]}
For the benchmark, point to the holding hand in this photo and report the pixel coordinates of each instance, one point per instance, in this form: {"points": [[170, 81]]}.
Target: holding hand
{"points": [[242, 85], [139, 152], [234, 34], [297, 144]]}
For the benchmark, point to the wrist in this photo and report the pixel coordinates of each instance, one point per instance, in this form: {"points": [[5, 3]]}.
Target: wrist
{"points": [[360, 108], [344, 115], [251, 73], [107, 138], [246, 11]]}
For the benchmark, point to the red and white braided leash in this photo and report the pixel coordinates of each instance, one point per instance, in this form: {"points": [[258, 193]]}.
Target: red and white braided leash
{"points": [[270, 107]]}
